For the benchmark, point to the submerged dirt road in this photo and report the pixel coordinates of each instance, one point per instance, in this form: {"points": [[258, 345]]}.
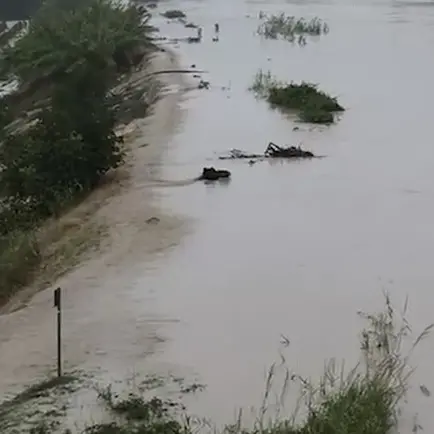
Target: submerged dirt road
{"points": [[110, 318]]}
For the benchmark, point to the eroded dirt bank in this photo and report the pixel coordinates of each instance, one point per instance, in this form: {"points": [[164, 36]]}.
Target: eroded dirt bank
{"points": [[100, 333]]}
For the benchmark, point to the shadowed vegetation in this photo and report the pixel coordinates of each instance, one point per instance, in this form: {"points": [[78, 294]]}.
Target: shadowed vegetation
{"points": [[57, 138], [311, 105]]}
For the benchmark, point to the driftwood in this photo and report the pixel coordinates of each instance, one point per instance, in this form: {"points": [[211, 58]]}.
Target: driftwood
{"points": [[272, 151], [177, 71], [211, 174], [238, 154]]}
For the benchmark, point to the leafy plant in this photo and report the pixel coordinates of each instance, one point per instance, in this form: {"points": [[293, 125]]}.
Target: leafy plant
{"points": [[311, 104]]}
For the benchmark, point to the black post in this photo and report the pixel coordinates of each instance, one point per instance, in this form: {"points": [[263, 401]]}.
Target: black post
{"points": [[58, 305]]}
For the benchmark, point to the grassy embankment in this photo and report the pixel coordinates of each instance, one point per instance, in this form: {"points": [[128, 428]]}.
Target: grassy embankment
{"points": [[365, 400], [57, 137], [311, 104]]}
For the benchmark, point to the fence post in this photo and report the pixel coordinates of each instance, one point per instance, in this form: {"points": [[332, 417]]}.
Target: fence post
{"points": [[58, 305]]}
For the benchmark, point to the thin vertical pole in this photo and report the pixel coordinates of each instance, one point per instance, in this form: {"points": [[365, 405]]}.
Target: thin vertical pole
{"points": [[58, 305]]}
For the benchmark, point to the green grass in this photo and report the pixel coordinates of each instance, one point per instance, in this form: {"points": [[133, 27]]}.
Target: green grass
{"points": [[366, 400], [311, 104], [361, 408], [290, 28]]}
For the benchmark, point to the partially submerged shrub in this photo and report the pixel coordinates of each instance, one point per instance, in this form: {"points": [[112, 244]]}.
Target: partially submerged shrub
{"points": [[173, 13], [311, 104], [290, 28]]}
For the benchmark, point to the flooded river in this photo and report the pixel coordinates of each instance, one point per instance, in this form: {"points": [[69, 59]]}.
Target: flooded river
{"points": [[293, 249], [299, 248]]}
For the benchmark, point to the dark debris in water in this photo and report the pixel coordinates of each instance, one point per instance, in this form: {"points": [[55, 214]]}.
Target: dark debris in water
{"points": [[272, 151], [203, 84], [425, 390]]}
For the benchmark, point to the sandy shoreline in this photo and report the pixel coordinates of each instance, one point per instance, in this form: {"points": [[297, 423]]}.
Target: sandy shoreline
{"points": [[119, 211]]}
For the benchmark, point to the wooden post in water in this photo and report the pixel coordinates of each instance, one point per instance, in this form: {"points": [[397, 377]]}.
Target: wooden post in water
{"points": [[58, 305]]}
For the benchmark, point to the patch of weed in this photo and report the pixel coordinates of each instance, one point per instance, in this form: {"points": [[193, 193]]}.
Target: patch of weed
{"points": [[173, 14], [137, 415], [311, 104]]}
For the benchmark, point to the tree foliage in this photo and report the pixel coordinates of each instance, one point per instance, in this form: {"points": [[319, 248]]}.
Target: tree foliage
{"points": [[72, 142], [62, 36], [69, 148]]}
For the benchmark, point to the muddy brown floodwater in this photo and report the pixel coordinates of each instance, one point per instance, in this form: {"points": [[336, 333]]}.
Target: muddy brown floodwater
{"points": [[285, 248]]}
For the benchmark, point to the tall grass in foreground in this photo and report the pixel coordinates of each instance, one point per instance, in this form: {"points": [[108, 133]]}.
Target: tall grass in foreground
{"points": [[364, 400]]}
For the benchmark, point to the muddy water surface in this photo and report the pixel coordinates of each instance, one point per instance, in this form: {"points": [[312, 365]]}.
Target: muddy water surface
{"points": [[285, 248], [299, 248]]}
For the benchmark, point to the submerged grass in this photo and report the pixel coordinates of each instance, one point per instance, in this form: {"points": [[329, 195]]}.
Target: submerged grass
{"points": [[39, 408], [290, 28], [365, 400], [311, 104]]}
